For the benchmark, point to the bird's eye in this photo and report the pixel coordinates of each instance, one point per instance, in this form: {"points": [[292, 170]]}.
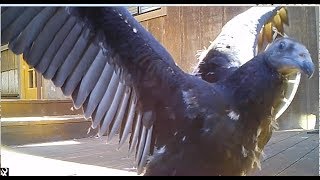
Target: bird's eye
{"points": [[282, 45]]}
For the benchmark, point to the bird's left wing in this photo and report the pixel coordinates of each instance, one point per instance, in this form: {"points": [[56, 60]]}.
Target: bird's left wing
{"points": [[101, 57]]}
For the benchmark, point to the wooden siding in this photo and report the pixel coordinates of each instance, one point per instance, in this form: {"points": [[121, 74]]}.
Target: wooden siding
{"points": [[303, 27], [50, 91], [9, 74], [185, 30]]}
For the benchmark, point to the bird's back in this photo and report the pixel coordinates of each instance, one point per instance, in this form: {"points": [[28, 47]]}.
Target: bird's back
{"points": [[225, 124]]}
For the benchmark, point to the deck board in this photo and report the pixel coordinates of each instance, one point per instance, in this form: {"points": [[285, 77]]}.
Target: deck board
{"points": [[279, 136], [287, 153], [303, 165], [277, 147], [292, 152]]}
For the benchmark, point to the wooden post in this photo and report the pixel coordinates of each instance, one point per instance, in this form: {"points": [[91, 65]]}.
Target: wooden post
{"points": [[39, 85]]}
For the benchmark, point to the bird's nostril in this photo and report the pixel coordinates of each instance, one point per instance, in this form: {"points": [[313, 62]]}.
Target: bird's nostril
{"points": [[302, 55]]}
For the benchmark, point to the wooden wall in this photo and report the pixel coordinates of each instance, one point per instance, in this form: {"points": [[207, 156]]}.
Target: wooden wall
{"points": [[303, 26], [185, 30], [9, 74], [49, 91]]}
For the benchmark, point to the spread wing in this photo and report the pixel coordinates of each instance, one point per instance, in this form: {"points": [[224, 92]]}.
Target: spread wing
{"points": [[104, 59]]}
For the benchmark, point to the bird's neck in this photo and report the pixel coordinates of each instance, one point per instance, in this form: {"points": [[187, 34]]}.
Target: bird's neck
{"points": [[255, 87]]}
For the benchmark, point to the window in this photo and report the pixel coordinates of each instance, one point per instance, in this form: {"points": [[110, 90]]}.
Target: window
{"points": [[137, 10], [143, 13]]}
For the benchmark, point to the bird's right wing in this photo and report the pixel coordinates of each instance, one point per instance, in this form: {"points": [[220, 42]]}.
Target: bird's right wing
{"points": [[104, 59]]}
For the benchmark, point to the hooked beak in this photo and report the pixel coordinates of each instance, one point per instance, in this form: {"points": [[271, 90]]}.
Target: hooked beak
{"points": [[308, 67]]}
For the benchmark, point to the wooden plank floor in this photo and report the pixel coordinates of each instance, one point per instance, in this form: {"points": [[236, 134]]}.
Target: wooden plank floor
{"points": [[291, 153]]}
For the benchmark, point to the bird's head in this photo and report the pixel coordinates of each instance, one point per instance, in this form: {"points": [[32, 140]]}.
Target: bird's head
{"points": [[287, 56]]}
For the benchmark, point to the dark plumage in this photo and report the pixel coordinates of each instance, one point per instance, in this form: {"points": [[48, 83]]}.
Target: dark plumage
{"points": [[215, 66], [189, 125], [228, 123]]}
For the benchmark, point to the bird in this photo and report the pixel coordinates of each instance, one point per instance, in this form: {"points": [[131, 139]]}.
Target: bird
{"points": [[215, 121]]}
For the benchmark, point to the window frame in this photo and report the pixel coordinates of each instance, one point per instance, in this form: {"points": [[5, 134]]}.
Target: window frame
{"points": [[156, 13]]}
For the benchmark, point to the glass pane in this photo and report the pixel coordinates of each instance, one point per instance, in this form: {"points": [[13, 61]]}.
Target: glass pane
{"points": [[144, 9]]}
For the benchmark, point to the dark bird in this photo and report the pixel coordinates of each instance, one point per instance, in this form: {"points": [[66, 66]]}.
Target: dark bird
{"points": [[126, 82]]}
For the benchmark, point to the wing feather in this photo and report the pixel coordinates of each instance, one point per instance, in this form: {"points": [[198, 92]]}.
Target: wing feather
{"points": [[104, 88], [72, 59], [129, 120], [17, 25], [29, 34], [80, 69], [107, 100], [45, 38], [112, 110], [91, 79], [104, 59], [228, 51], [146, 151], [10, 15], [120, 114], [63, 51], [136, 133], [57, 42]]}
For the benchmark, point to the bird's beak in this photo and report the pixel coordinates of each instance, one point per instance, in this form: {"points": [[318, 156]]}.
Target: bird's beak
{"points": [[308, 67]]}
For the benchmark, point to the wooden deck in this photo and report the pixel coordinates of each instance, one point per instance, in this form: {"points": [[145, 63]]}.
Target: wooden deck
{"points": [[291, 153]]}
